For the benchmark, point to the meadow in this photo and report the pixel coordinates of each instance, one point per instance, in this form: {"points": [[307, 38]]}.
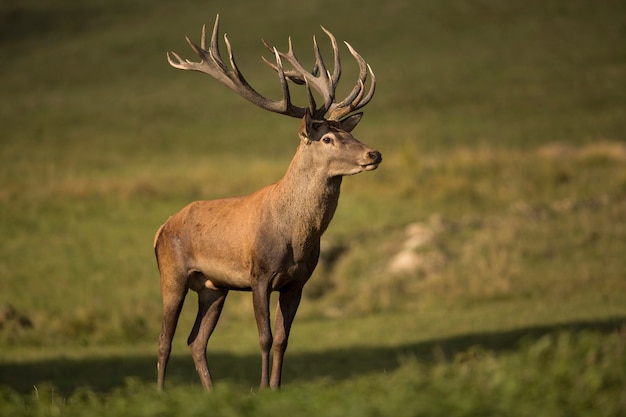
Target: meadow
{"points": [[479, 271]]}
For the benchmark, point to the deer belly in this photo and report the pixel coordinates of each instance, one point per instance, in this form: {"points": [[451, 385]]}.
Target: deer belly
{"points": [[218, 277]]}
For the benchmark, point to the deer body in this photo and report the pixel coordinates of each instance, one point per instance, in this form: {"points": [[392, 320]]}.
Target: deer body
{"points": [[266, 241]]}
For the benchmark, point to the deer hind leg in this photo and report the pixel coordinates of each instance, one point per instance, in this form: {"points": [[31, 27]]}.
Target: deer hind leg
{"points": [[210, 303], [173, 299]]}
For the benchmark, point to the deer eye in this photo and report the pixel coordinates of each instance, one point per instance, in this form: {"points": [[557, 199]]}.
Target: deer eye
{"points": [[327, 139]]}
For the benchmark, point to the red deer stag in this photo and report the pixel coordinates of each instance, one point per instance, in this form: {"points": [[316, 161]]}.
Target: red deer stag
{"points": [[269, 240]]}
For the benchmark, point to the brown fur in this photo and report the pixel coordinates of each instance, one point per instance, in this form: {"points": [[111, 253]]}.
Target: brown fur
{"points": [[266, 241]]}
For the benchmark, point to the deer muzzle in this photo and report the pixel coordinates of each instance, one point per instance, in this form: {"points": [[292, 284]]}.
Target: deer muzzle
{"points": [[374, 158]]}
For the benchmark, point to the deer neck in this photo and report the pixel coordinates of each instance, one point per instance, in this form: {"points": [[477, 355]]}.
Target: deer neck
{"points": [[307, 197]]}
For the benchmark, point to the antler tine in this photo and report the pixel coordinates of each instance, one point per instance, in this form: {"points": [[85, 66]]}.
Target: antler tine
{"points": [[283, 84], [357, 98], [337, 62], [231, 57], [214, 48], [203, 37], [320, 67], [212, 64], [372, 90]]}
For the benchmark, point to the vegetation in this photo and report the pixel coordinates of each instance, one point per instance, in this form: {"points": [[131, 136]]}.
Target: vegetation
{"points": [[479, 271], [555, 375]]}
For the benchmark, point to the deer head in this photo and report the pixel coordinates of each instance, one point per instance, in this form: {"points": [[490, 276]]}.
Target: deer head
{"points": [[326, 126], [333, 149]]}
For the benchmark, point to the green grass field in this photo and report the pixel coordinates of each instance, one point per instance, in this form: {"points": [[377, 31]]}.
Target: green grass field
{"points": [[479, 271]]}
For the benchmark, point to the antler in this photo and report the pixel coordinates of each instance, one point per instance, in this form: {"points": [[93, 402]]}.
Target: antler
{"points": [[319, 79], [325, 83], [213, 65], [357, 98]]}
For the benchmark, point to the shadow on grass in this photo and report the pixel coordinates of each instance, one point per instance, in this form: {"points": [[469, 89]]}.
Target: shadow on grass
{"points": [[106, 374]]}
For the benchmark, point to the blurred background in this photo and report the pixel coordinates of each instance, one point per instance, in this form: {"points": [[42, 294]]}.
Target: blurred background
{"points": [[500, 204]]}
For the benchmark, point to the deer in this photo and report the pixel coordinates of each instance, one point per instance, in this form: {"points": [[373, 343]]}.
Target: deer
{"points": [[267, 241]]}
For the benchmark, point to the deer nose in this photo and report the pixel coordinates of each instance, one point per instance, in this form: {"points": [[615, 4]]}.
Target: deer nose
{"points": [[375, 156]]}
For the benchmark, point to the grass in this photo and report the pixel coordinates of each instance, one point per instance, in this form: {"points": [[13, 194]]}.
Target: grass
{"points": [[479, 271], [569, 375]]}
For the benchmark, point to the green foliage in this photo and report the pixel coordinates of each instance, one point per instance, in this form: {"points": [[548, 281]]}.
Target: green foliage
{"points": [[479, 271], [560, 374]]}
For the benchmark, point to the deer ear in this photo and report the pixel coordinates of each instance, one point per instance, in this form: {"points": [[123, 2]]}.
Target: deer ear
{"points": [[350, 122], [306, 128]]}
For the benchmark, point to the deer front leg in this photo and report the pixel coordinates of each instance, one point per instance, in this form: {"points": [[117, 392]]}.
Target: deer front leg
{"points": [[261, 304], [286, 309]]}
